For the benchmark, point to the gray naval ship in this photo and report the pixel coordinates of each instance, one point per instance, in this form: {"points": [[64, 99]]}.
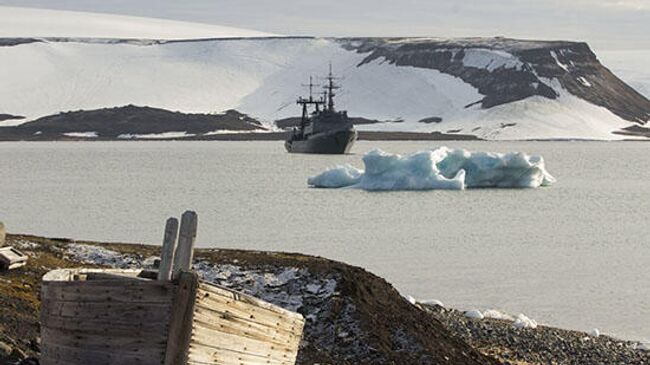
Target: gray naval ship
{"points": [[324, 130]]}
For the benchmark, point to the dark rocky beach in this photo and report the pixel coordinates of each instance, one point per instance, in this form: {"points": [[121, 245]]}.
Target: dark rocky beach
{"points": [[353, 316]]}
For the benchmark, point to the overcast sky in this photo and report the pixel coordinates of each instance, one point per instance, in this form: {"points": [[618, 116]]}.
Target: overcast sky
{"points": [[605, 24]]}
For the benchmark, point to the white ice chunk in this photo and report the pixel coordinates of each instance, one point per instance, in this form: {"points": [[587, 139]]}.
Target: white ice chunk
{"points": [[338, 177], [594, 333], [524, 322], [495, 314], [474, 314], [441, 168], [433, 302]]}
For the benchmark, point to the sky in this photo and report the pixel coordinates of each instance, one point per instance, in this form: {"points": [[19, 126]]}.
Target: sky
{"points": [[604, 24]]}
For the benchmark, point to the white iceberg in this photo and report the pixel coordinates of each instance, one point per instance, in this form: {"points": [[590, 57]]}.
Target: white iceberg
{"points": [[441, 168]]}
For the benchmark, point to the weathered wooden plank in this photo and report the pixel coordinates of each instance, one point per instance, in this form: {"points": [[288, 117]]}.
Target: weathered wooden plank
{"points": [[243, 344], [244, 298], [105, 341], [180, 325], [251, 313], [138, 312], [82, 273], [3, 234], [112, 327], [185, 248], [60, 355], [203, 353], [168, 248], [109, 291], [242, 327]]}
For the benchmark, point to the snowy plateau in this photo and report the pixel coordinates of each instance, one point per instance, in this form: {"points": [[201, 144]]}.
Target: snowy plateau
{"points": [[492, 88]]}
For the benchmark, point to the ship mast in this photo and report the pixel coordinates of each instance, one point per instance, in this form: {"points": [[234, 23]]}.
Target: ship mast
{"points": [[330, 89]]}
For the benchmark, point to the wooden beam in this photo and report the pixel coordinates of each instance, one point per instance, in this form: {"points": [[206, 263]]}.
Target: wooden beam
{"points": [[182, 317], [185, 249], [168, 248], [3, 234]]}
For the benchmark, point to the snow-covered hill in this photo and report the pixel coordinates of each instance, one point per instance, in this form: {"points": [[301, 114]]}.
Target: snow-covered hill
{"points": [[29, 22], [492, 88]]}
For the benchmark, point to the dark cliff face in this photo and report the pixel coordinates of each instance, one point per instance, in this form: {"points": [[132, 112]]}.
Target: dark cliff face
{"points": [[528, 73]]}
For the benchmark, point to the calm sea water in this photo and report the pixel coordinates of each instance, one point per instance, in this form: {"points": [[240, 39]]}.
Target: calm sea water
{"points": [[575, 255]]}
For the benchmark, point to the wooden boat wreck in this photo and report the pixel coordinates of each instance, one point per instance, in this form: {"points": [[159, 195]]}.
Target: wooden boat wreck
{"points": [[171, 317]]}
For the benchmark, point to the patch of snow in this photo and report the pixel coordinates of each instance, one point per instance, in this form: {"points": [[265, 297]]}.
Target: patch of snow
{"points": [[433, 302], [584, 81], [31, 22], [490, 59], [495, 314], [524, 322], [81, 134], [411, 300], [557, 61], [227, 131], [441, 168], [156, 135], [26, 245], [474, 314], [594, 333], [97, 255], [287, 287], [12, 122]]}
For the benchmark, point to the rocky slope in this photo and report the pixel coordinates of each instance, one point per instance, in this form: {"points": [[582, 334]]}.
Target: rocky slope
{"points": [[507, 70], [492, 88], [353, 317]]}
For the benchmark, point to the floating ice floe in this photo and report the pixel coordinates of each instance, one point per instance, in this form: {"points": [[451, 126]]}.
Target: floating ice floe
{"points": [[524, 322], [441, 168]]}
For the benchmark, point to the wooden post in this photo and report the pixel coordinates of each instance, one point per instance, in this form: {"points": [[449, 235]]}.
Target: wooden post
{"points": [[182, 316], [167, 254], [2, 234], [185, 249]]}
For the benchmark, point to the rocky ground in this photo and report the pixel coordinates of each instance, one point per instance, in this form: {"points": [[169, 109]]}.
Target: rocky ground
{"points": [[501, 338], [352, 316]]}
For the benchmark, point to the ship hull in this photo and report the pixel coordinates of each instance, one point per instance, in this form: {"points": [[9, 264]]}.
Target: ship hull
{"points": [[334, 142]]}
